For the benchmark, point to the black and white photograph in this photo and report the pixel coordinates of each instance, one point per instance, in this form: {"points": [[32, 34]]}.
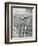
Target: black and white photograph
{"points": [[21, 20]]}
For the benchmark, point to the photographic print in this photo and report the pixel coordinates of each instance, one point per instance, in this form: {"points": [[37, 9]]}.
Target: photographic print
{"points": [[21, 22]]}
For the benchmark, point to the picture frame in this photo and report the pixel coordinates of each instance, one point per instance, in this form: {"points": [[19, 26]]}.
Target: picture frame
{"points": [[20, 22]]}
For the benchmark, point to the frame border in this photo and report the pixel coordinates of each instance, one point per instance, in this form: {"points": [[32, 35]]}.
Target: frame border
{"points": [[7, 20]]}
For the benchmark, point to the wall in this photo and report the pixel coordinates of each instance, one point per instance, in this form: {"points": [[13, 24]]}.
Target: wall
{"points": [[2, 23]]}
